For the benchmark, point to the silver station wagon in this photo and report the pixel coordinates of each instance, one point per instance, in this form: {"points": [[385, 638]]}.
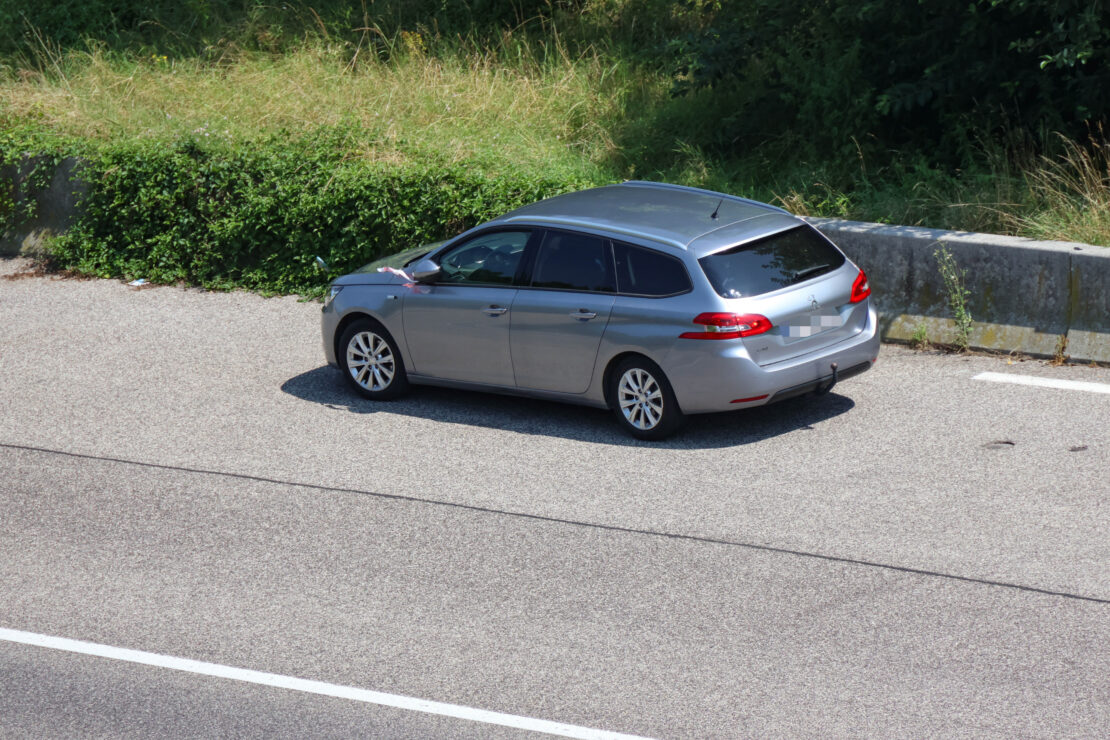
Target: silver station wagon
{"points": [[656, 301]]}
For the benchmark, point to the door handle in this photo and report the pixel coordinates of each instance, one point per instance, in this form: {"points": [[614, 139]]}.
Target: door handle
{"points": [[583, 315], [494, 310]]}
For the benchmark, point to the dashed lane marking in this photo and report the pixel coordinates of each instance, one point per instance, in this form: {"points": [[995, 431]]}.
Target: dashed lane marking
{"points": [[1067, 385]]}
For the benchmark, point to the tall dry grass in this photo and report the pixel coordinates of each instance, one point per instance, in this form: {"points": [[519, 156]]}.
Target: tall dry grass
{"points": [[1071, 194], [545, 109]]}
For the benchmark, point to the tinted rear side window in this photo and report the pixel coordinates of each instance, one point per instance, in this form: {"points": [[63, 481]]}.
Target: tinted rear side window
{"points": [[573, 262], [777, 261], [649, 273]]}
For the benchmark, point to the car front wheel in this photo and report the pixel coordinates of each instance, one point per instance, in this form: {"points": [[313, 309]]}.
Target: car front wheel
{"points": [[370, 361], [643, 401]]}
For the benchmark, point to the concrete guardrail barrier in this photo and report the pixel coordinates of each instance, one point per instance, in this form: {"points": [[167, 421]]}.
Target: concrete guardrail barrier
{"points": [[55, 207], [1039, 298]]}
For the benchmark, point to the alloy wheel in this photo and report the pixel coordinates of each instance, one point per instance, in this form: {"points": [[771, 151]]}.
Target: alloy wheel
{"points": [[370, 361], [640, 399]]}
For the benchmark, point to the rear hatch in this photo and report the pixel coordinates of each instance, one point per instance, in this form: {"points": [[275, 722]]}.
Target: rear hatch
{"points": [[798, 280]]}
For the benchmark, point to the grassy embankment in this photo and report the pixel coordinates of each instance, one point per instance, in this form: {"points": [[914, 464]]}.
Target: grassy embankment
{"points": [[544, 112], [585, 118], [492, 124]]}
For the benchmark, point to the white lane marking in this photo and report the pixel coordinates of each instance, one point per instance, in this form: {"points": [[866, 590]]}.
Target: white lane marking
{"points": [[311, 687], [1068, 385]]}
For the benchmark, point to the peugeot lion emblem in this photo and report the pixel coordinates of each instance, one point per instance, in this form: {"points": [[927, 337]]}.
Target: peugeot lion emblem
{"points": [[813, 304]]}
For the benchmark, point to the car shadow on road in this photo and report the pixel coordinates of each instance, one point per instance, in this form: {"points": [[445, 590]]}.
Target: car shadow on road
{"points": [[325, 386]]}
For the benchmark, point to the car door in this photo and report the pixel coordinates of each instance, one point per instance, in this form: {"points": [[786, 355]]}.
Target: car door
{"points": [[559, 318], [458, 327]]}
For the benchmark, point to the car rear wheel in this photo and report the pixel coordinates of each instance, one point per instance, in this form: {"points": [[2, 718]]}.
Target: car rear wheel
{"points": [[370, 361], [643, 401]]}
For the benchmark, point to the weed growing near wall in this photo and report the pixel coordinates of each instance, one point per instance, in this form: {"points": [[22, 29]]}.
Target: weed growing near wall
{"points": [[956, 294], [919, 340]]}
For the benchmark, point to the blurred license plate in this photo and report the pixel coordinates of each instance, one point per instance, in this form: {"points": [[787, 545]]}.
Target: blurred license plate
{"points": [[815, 323]]}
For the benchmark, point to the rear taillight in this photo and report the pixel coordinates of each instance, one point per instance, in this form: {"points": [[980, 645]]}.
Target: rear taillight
{"points": [[860, 289], [728, 326]]}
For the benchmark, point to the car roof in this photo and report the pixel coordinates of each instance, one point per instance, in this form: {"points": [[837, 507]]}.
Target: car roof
{"points": [[673, 215]]}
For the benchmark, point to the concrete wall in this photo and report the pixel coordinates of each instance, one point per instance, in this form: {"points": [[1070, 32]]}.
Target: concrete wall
{"points": [[1025, 295], [55, 205]]}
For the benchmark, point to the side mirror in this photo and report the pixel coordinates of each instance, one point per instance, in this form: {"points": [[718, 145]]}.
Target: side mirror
{"points": [[425, 271]]}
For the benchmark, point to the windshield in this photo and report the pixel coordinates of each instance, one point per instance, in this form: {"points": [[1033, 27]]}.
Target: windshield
{"points": [[400, 259], [774, 262]]}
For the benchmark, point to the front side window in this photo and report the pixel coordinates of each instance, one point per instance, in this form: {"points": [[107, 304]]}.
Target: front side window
{"points": [[774, 262], [488, 259], [646, 272], [569, 261]]}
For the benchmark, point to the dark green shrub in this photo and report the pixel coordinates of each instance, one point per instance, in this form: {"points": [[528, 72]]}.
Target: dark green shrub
{"points": [[255, 215], [929, 76]]}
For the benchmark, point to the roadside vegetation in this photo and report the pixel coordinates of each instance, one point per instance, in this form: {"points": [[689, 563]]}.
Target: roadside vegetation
{"points": [[228, 141]]}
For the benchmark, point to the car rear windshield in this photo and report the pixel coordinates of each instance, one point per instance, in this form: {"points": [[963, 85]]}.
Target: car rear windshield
{"points": [[774, 262]]}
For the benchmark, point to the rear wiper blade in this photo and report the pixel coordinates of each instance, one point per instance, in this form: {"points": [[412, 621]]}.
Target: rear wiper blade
{"points": [[808, 272]]}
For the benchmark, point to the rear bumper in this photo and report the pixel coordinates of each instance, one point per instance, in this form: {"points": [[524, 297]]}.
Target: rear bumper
{"points": [[823, 385], [707, 379]]}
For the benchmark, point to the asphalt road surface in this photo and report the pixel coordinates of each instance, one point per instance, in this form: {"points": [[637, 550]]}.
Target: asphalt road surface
{"points": [[920, 553]]}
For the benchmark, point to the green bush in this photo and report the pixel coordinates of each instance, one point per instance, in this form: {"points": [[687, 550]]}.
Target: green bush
{"points": [[255, 215], [925, 76]]}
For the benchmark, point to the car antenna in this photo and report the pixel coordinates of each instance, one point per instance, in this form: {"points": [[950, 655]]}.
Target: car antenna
{"points": [[717, 209]]}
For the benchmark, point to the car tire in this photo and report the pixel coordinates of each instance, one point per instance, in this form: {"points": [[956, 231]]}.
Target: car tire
{"points": [[371, 362], [642, 400]]}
